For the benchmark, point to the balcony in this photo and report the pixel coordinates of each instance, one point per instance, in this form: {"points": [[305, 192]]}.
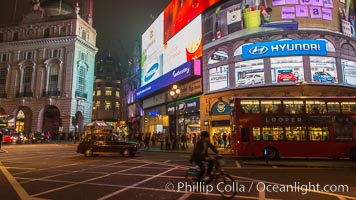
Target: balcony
{"points": [[81, 94], [51, 93], [3, 95], [24, 94]]}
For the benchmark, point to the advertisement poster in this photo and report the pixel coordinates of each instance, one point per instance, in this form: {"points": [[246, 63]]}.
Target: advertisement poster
{"points": [[219, 78], [217, 56], [152, 52], [323, 69], [287, 69], [184, 46], [349, 72], [249, 73]]}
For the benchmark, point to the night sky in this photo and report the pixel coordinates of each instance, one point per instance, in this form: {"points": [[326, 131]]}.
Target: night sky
{"points": [[118, 22]]}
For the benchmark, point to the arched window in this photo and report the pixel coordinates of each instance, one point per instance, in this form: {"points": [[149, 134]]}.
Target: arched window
{"points": [[46, 33], [3, 75], [15, 37], [53, 79], [81, 81], [26, 81]]}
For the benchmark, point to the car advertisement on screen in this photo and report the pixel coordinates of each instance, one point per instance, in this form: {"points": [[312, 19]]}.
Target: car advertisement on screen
{"points": [[179, 13], [234, 19], [152, 52], [323, 69], [184, 46], [349, 72], [287, 69], [219, 78], [249, 73]]}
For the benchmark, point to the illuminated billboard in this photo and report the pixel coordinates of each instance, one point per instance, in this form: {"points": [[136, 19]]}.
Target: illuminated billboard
{"points": [[239, 18], [179, 13], [152, 52], [184, 46]]}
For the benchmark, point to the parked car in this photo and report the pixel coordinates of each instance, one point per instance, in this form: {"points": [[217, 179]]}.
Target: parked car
{"points": [[323, 77], [251, 79], [106, 143], [8, 138], [286, 77], [39, 137]]}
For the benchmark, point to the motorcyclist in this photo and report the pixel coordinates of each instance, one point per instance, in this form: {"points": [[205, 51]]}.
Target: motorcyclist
{"points": [[200, 154]]}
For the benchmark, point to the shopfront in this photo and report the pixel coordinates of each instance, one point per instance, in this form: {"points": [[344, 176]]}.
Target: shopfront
{"points": [[220, 129], [156, 120]]}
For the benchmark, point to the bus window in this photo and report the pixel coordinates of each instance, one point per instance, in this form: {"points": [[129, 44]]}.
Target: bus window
{"points": [[348, 107], [256, 133], [250, 106], [333, 107], [293, 106], [245, 134], [318, 133], [270, 106], [315, 107], [272, 133], [296, 133]]}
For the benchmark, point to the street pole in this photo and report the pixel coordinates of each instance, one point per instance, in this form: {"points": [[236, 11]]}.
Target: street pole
{"points": [[76, 123], [174, 93]]}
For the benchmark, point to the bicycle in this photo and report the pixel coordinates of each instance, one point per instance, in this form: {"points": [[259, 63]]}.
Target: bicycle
{"points": [[223, 180]]}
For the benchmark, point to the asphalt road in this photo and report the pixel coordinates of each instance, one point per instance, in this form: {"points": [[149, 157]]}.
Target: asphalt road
{"points": [[56, 171]]}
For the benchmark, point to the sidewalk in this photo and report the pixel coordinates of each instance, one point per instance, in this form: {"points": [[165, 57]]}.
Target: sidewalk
{"points": [[157, 148], [312, 163]]}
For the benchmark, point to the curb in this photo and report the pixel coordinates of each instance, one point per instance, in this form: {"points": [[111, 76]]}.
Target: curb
{"points": [[298, 165]]}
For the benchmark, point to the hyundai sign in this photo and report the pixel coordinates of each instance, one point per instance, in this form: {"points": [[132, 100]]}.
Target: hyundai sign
{"points": [[284, 48]]}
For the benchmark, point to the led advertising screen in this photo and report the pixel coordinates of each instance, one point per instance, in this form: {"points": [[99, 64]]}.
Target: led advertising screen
{"points": [[152, 52], [323, 69], [349, 72], [249, 73], [219, 78], [184, 46], [237, 18], [287, 69], [179, 13]]}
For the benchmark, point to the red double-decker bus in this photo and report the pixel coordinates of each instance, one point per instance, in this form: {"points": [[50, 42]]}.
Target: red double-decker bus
{"points": [[295, 127]]}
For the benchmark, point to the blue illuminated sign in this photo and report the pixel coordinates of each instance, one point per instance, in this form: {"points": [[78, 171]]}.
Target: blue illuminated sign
{"points": [[284, 48], [179, 73]]}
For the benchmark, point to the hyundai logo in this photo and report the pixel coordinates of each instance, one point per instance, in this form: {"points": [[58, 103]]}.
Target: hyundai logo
{"points": [[258, 50]]}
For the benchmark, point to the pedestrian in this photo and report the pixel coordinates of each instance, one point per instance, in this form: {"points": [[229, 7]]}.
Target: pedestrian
{"points": [[224, 140], [168, 142], [162, 138], [147, 141]]}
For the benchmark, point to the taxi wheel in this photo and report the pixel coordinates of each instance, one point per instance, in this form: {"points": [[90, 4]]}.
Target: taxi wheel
{"points": [[126, 153], [88, 153]]}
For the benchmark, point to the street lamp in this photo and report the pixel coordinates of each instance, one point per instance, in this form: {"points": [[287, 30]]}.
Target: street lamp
{"points": [[174, 93]]}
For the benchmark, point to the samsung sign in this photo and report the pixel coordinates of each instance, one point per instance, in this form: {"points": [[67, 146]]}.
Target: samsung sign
{"points": [[284, 48], [181, 72]]}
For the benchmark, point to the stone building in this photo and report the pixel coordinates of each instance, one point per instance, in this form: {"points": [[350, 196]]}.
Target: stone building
{"points": [[47, 67]]}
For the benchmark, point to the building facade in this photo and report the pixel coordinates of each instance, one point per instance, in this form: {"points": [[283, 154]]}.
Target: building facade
{"points": [[106, 95], [47, 68]]}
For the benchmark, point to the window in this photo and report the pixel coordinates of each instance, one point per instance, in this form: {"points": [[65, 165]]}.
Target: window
{"points": [[270, 106], [323, 69], [296, 133], [46, 33], [272, 133], [333, 107], [84, 35], [53, 77], [3, 75], [1, 37], [15, 36], [63, 31], [4, 57], [250, 106], [81, 80], [256, 133], [97, 104], [348, 107], [117, 104], [26, 81], [98, 93], [218, 78], [108, 92], [107, 105], [318, 133], [28, 55], [117, 93], [293, 106], [315, 107], [55, 53]]}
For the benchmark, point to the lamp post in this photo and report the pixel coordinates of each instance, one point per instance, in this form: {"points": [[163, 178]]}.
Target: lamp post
{"points": [[174, 93], [76, 122]]}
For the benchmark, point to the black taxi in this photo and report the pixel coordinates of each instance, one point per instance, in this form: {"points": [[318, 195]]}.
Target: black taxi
{"points": [[106, 143]]}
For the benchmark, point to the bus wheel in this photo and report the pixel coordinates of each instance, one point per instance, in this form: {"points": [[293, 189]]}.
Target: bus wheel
{"points": [[271, 153], [353, 153]]}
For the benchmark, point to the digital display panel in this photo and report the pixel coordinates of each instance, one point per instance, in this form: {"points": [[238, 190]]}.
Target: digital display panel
{"points": [[323, 69], [287, 69], [249, 73], [179, 13], [219, 78], [349, 72]]}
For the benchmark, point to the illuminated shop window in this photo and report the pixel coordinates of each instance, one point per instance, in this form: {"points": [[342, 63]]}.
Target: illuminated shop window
{"points": [[107, 105], [318, 133], [250, 106], [271, 106], [250, 72], [256, 133], [296, 133], [287, 69], [117, 104], [333, 107], [293, 106], [348, 107], [315, 107], [98, 93], [117, 93]]}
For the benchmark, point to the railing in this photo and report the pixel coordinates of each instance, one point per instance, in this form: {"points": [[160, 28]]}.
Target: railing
{"points": [[24, 94], [51, 93]]}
